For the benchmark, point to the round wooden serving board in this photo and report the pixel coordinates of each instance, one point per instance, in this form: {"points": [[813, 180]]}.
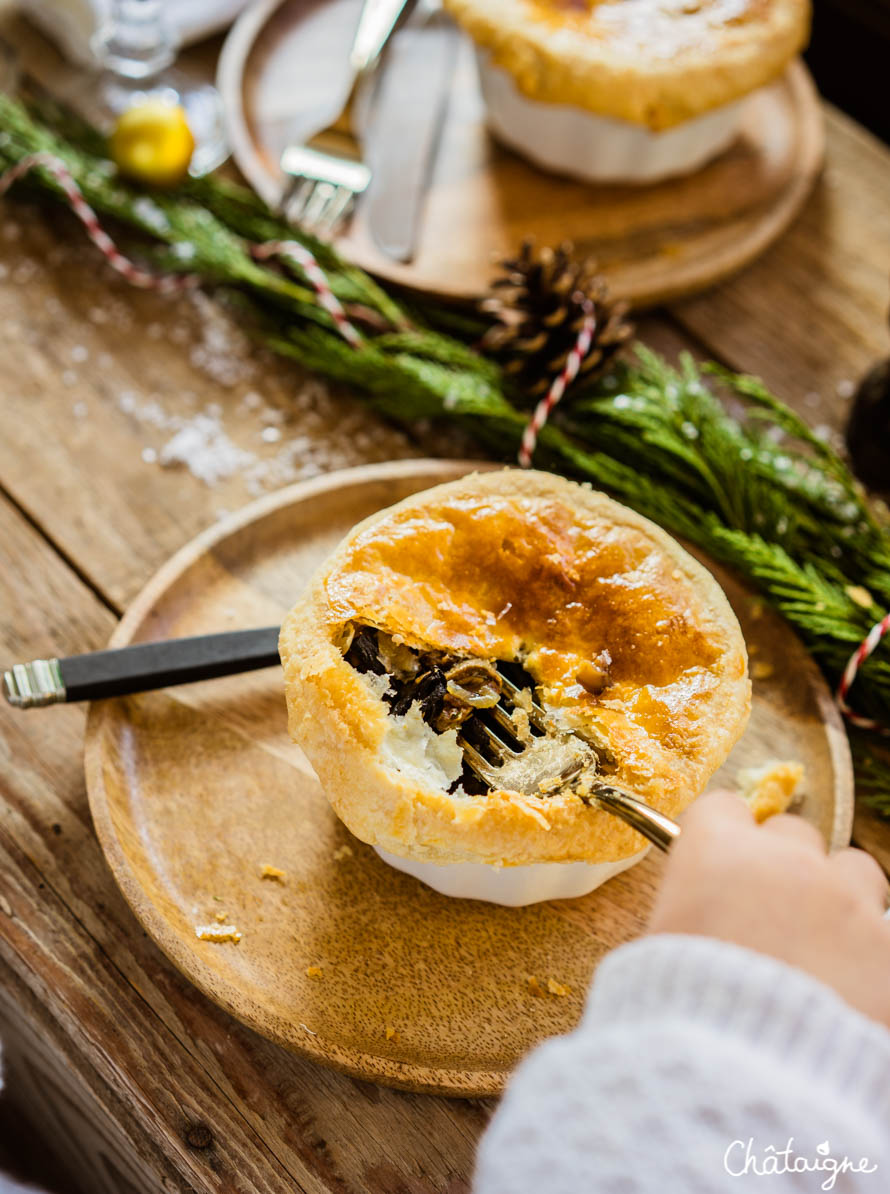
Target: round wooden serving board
{"points": [[285, 58], [194, 789]]}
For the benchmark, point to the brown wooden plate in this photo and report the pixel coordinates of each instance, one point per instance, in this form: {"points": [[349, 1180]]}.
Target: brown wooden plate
{"points": [[283, 57], [194, 789]]}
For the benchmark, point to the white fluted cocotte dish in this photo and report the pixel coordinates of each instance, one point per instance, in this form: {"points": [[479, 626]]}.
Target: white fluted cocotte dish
{"points": [[512, 886], [581, 144]]}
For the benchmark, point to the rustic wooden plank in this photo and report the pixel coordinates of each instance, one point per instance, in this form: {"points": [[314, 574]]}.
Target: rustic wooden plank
{"points": [[108, 375], [810, 316], [99, 377], [278, 1123]]}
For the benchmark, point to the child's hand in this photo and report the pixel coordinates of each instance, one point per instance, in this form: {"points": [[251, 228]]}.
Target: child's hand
{"points": [[772, 888]]}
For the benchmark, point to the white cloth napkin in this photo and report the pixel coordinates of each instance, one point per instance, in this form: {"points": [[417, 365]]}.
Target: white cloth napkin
{"points": [[71, 23]]}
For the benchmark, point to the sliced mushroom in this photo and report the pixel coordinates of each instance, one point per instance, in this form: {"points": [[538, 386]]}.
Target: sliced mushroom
{"points": [[595, 674], [453, 694], [451, 716], [398, 659], [362, 653], [427, 689], [474, 682]]}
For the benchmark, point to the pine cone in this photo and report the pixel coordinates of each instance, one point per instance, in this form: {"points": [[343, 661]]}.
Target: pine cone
{"points": [[539, 304]]}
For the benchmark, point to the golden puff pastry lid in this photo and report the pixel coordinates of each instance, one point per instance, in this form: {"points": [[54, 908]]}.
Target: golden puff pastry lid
{"points": [[527, 566], [652, 62]]}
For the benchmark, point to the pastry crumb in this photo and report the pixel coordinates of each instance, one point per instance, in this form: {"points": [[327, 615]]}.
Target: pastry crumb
{"points": [[520, 720], [272, 872], [343, 852], [761, 670], [221, 917], [594, 675], [756, 608], [770, 789], [392, 1034], [552, 987], [314, 972], [556, 988], [218, 933]]}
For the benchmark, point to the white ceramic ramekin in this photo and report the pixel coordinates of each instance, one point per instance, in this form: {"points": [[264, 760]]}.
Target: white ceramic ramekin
{"points": [[571, 141], [514, 886]]}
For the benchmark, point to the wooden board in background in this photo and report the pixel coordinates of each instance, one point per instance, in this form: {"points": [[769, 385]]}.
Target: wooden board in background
{"points": [[178, 1096], [194, 789], [285, 57]]}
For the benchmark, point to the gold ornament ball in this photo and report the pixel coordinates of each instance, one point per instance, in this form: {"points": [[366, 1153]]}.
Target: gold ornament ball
{"points": [[152, 142]]}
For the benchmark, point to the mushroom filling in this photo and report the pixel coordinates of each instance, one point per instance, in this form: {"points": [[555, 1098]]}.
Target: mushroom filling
{"points": [[461, 694]]}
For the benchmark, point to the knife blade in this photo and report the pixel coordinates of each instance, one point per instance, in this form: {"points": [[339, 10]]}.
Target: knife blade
{"points": [[409, 113]]}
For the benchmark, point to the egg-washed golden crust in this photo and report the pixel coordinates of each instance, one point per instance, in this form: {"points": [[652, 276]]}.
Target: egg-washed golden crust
{"points": [[653, 62], [519, 563]]}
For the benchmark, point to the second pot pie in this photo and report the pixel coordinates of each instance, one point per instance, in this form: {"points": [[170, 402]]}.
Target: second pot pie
{"points": [[627, 642], [626, 90]]}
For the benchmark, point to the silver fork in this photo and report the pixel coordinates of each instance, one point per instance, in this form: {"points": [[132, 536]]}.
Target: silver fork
{"points": [[653, 825], [325, 176]]}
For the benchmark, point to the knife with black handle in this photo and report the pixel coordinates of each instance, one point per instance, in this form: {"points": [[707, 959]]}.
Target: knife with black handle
{"points": [[139, 668]]}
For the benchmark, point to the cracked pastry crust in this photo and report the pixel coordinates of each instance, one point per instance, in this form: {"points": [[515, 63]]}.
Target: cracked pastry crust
{"points": [[515, 565], [652, 62]]}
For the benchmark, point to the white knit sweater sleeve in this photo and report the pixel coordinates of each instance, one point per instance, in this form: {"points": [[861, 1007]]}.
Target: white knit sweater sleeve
{"points": [[699, 1067]]}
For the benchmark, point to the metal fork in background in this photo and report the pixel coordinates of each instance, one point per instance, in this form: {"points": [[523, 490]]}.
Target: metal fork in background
{"points": [[653, 825], [325, 176]]}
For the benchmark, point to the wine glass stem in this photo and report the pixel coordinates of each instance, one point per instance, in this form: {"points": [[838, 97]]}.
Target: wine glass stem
{"points": [[137, 42]]}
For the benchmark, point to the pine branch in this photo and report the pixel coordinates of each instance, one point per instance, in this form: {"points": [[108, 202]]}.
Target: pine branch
{"points": [[759, 492], [872, 767], [206, 245]]}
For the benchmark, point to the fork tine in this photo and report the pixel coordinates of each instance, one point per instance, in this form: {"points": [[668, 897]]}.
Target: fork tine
{"points": [[302, 193], [536, 714], [289, 188], [503, 718], [475, 760], [500, 748], [322, 193], [336, 211]]}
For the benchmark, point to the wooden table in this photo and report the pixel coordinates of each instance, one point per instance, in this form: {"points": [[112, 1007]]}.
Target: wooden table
{"points": [[137, 1079]]}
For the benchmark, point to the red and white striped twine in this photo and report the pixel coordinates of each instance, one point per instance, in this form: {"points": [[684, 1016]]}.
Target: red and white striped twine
{"points": [[174, 283], [554, 395], [300, 255], [165, 283], [857, 659]]}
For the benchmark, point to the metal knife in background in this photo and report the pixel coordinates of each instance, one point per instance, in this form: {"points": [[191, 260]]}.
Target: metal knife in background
{"points": [[409, 112]]}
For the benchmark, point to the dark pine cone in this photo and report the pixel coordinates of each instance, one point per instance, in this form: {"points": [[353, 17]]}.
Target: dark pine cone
{"points": [[538, 304]]}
